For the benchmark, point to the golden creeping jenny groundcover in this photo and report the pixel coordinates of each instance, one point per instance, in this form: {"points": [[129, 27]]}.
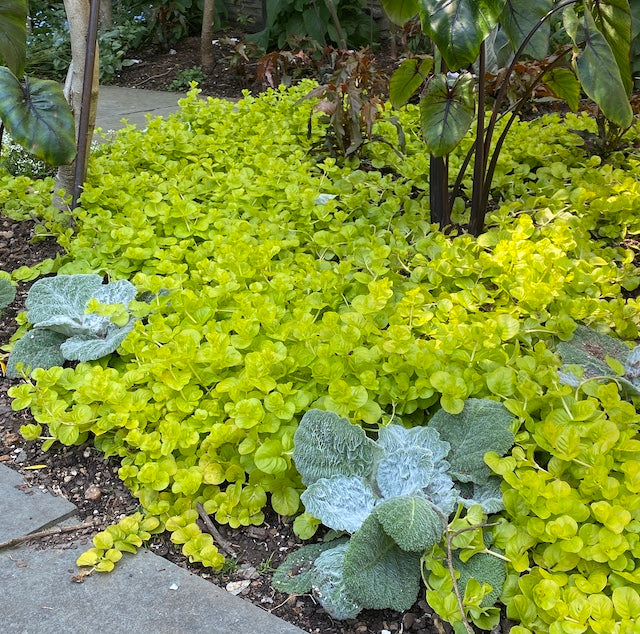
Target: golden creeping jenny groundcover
{"points": [[273, 280]]}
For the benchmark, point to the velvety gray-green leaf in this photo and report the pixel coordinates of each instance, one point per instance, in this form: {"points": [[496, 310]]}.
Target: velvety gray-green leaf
{"points": [[405, 471], [35, 349], [458, 27], [294, 574], [91, 347], [446, 112], [590, 342], [339, 502], [483, 568], [118, 292], [378, 574], [518, 19], [7, 293], [411, 522], [38, 117], [327, 445], [394, 438], [61, 296], [407, 78], [13, 34], [328, 587], [482, 426], [487, 494], [399, 11]]}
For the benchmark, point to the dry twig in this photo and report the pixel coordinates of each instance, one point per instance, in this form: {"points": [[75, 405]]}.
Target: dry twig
{"points": [[215, 533], [58, 530]]}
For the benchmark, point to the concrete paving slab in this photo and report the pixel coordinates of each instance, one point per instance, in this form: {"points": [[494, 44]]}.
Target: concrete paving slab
{"points": [[144, 594], [24, 510], [133, 104]]}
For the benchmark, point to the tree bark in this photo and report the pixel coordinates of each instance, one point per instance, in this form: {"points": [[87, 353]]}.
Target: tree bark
{"points": [[106, 15], [78, 18], [207, 58]]}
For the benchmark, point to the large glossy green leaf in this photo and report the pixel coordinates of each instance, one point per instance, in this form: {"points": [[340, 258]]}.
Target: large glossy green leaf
{"points": [[520, 17], [399, 11], [38, 117], [13, 34], [407, 78], [613, 19], [458, 27], [446, 112], [598, 70]]}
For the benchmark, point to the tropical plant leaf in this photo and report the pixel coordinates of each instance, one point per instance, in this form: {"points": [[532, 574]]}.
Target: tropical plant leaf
{"points": [[411, 522], [340, 502], [518, 19], [38, 117], [565, 85], [378, 574], [407, 78], [399, 11], [294, 575], [613, 19], [458, 27], [446, 112], [13, 34], [598, 70], [327, 584], [327, 445], [482, 426], [7, 292], [36, 349]]}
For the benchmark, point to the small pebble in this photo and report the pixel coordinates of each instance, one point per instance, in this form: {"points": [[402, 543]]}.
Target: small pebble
{"points": [[92, 493], [174, 586], [236, 587]]}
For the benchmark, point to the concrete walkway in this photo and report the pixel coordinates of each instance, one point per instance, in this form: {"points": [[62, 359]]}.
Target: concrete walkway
{"points": [[145, 594], [133, 104]]}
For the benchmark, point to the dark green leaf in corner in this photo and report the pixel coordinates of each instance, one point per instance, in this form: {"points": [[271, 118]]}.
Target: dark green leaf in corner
{"points": [[407, 78], [38, 117], [13, 34], [520, 17]]}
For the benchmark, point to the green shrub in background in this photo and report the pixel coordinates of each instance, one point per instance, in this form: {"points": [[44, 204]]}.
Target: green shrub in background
{"points": [[283, 282]]}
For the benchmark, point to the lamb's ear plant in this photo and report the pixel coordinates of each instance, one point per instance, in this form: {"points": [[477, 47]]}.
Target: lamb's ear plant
{"points": [[394, 496], [74, 318], [7, 290], [593, 356]]}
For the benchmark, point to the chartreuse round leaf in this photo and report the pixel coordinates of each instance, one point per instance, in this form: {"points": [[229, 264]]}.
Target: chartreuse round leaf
{"points": [[411, 522], [305, 525], [38, 117], [13, 34], [378, 574]]}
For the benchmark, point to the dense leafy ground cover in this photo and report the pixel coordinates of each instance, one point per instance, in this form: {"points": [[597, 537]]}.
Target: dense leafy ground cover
{"points": [[278, 280]]}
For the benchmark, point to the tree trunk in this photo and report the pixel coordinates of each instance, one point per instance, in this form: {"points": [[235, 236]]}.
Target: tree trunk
{"points": [[78, 18], [207, 59], [106, 15]]}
